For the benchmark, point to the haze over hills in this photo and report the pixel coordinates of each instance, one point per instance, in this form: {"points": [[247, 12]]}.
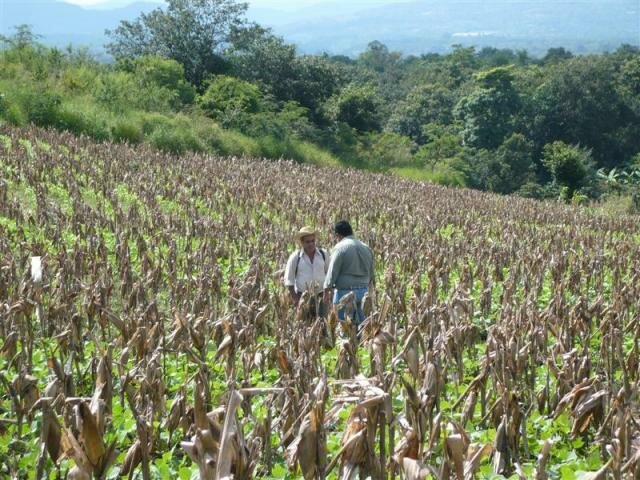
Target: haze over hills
{"points": [[412, 27], [60, 23], [433, 26]]}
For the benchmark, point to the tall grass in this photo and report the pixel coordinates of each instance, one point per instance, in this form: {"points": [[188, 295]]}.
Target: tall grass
{"points": [[93, 100], [440, 175]]}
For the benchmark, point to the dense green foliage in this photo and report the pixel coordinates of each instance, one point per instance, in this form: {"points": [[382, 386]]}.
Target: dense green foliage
{"points": [[192, 32], [148, 99], [488, 119]]}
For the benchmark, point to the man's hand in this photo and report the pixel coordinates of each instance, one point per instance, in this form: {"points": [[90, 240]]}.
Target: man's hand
{"points": [[295, 297]]}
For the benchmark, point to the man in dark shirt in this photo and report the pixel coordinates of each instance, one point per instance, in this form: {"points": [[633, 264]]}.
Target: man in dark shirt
{"points": [[350, 270]]}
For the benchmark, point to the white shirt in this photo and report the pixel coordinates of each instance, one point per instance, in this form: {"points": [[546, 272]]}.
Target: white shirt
{"points": [[310, 275]]}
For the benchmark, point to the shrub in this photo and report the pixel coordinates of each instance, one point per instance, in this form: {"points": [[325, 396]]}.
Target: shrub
{"points": [[92, 124], [15, 115], [569, 165], [229, 100], [175, 140], [264, 124], [163, 73], [78, 79], [531, 189], [72, 121], [579, 198], [618, 205], [116, 91], [271, 147], [42, 108], [127, 131], [356, 105], [310, 153], [11, 111], [385, 150], [291, 121], [229, 142], [446, 174], [153, 121], [634, 208]]}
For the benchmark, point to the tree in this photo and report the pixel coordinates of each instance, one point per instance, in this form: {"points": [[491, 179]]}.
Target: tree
{"points": [[443, 142], [506, 169], [385, 150], [494, 57], [378, 58], [488, 111], [569, 165], [229, 100], [24, 37], [316, 79], [265, 59], [378, 66], [580, 103], [355, 105], [260, 57], [195, 33], [557, 55], [516, 152], [629, 81], [424, 104], [157, 72], [461, 63]]}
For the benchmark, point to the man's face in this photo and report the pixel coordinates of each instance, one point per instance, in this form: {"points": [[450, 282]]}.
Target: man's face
{"points": [[308, 243]]}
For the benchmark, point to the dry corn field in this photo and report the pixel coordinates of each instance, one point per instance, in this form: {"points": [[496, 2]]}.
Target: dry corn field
{"points": [[153, 338]]}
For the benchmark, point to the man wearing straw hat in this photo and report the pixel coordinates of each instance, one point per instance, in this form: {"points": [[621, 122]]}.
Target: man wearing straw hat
{"points": [[306, 269]]}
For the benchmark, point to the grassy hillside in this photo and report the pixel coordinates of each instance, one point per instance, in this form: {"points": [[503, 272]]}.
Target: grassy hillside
{"points": [[147, 102]]}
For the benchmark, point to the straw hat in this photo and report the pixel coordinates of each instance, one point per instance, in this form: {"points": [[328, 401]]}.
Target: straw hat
{"points": [[305, 232]]}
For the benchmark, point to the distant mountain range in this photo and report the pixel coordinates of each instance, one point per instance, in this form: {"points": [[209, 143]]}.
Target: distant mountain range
{"points": [[433, 26], [61, 23], [346, 27]]}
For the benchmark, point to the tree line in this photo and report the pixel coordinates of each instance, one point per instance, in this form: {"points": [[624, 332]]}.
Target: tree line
{"points": [[492, 119]]}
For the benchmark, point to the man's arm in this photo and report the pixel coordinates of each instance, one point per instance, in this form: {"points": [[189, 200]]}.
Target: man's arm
{"points": [[289, 278], [335, 264], [295, 297], [330, 279]]}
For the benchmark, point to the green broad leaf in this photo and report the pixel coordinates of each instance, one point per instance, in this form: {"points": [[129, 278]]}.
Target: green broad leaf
{"points": [[279, 471], [184, 473], [568, 472], [577, 443], [594, 462]]}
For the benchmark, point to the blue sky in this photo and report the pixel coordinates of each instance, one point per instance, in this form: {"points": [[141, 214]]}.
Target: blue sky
{"points": [[265, 3], [285, 4]]}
